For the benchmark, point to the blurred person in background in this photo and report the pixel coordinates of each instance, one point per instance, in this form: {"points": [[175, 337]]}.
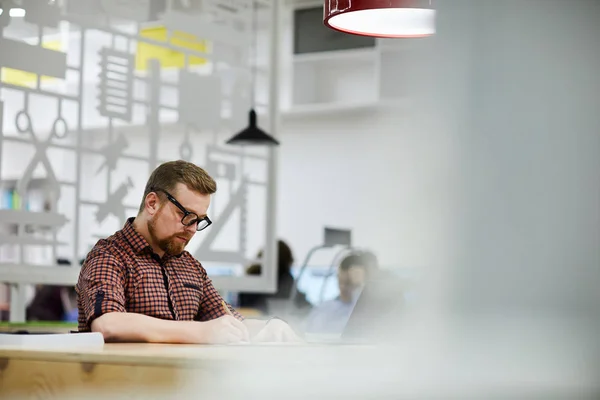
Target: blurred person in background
{"points": [[331, 316], [285, 284], [54, 303]]}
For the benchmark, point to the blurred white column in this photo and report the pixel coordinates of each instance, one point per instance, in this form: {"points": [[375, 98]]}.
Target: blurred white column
{"points": [[526, 121], [513, 89]]}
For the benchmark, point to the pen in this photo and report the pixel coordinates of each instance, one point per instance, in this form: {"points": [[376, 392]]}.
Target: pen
{"points": [[242, 327], [227, 310]]}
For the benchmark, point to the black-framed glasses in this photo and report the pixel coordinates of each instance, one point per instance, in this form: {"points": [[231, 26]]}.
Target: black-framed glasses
{"points": [[189, 218]]}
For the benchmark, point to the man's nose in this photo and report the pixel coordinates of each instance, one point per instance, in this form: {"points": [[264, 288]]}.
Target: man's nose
{"points": [[191, 228]]}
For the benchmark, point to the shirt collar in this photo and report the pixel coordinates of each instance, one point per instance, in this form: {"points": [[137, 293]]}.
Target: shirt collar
{"points": [[138, 243], [135, 239]]}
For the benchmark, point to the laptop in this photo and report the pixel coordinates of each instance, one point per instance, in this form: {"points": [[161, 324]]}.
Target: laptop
{"points": [[380, 302]]}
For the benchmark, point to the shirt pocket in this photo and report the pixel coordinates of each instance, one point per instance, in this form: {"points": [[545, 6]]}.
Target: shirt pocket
{"points": [[192, 286]]}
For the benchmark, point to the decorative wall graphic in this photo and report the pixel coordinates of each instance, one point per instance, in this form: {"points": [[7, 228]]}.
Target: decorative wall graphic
{"points": [[60, 129], [84, 8], [232, 172], [22, 218], [200, 100], [116, 84], [24, 126], [229, 55], [133, 10], [186, 149], [202, 28], [241, 102], [233, 10], [42, 13], [153, 115], [112, 152], [237, 201], [167, 57], [26, 57], [28, 240], [221, 170], [1, 132], [114, 203], [92, 168], [21, 227], [22, 78]]}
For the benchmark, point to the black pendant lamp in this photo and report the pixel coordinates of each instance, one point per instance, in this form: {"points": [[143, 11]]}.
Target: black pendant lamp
{"points": [[252, 135]]}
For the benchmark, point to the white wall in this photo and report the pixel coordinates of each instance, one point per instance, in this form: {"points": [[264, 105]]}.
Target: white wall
{"points": [[371, 173]]}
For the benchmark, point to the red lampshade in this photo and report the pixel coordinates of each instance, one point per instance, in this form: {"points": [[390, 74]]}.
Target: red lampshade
{"points": [[381, 18]]}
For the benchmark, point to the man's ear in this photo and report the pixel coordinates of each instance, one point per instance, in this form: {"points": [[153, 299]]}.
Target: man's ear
{"points": [[152, 203]]}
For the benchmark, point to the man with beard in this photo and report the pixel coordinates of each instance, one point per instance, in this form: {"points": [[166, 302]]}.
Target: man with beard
{"points": [[139, 285]]}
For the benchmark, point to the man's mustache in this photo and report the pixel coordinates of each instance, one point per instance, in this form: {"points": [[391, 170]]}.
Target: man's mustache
{"points": [[182, 235]]}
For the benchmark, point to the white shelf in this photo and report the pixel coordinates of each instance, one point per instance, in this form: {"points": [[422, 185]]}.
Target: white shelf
{"points": [[340, 108], [347, 81], [330, 77], [11, 178]]}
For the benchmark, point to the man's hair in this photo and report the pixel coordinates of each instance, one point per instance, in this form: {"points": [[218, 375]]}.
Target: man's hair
{"points": [[167, 175]]}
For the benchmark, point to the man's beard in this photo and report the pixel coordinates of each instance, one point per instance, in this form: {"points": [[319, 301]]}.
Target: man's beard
{"points": [[171, 245]]}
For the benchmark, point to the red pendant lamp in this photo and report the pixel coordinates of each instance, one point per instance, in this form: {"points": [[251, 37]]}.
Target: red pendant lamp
{"points": [[381, 18]]}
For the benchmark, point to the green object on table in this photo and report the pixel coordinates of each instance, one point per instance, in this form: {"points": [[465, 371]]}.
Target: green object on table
{"points": [[37, 327]]}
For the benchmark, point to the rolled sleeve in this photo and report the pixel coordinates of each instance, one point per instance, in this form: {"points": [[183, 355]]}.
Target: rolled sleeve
{"points": [[100, 288], [211, 306]]}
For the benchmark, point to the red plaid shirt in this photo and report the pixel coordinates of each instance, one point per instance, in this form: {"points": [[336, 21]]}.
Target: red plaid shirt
{"points": [[123, 274]]}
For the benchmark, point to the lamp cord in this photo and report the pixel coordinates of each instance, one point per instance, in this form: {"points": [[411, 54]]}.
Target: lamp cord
{"points": [[254, 52]]}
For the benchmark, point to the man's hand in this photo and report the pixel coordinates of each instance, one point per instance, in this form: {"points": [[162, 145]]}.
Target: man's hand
{"points": [[276, 330], [225, 329]]}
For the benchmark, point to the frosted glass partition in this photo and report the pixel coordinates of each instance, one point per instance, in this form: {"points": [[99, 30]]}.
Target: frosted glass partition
{"points": [[93, 97]]}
